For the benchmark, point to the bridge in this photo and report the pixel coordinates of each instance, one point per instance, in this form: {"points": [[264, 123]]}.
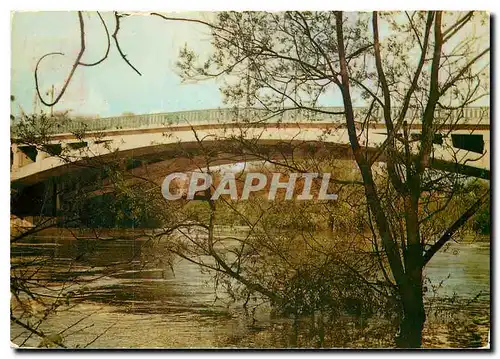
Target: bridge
{"points": [[140, 136]]}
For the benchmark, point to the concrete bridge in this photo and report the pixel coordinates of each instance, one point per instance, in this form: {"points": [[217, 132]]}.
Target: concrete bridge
{"points": [[464, 137]]}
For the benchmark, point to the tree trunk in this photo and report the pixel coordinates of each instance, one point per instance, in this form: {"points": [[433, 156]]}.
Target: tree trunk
{"points": [[412, 323]]}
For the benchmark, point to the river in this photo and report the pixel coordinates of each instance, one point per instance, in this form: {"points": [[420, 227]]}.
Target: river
{"points": [[157, 307]]}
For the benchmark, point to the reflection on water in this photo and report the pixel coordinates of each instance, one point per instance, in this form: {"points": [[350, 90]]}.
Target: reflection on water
{"points": [[151, 305]]}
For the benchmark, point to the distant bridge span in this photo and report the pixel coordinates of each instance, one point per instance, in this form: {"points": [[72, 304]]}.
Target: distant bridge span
{"points": [[174, 134]]}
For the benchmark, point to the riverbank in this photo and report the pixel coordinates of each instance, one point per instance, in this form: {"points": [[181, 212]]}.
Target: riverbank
{"points": [[19, 226]]}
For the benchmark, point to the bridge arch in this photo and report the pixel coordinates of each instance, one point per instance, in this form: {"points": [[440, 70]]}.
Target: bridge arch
{"points": [[148, 142], [156, 151]]}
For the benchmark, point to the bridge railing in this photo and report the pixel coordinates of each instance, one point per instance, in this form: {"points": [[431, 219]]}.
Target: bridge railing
{"points": [[231, 115]]}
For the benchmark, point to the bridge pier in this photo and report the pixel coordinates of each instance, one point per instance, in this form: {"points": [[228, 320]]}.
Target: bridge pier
{"points": [[56, 198], [40, 156], [17, 156]]}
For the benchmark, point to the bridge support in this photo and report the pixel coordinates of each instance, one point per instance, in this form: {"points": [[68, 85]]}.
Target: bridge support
{"points": [[56, 198], [17, 156], [40, 156]]}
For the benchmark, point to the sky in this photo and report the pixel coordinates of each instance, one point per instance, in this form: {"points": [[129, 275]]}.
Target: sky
{"points": [[111, 88]]}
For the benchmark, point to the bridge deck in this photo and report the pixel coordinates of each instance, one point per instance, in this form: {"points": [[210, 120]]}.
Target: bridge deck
{"points": [[145, 132], [469, 115]]}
